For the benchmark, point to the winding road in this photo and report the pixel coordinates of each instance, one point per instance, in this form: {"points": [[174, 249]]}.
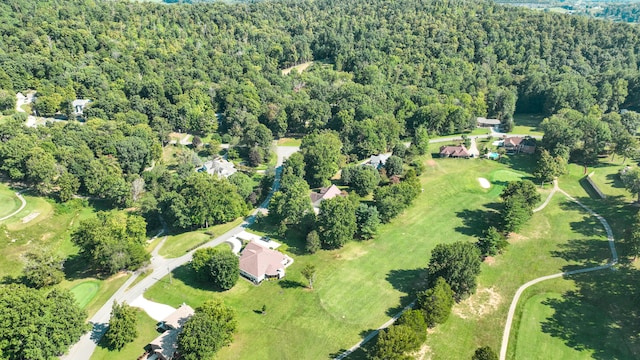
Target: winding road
{"points": [[161, 267]]}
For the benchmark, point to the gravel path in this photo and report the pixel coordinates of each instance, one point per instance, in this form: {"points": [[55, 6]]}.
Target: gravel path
{"points": [[514, 302]]}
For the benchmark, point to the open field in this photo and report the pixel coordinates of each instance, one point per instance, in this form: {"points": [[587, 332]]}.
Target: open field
{"points": [[527, 124], [146, 328], [299, 68], [311, 324], [9, 201], [178, 245]]}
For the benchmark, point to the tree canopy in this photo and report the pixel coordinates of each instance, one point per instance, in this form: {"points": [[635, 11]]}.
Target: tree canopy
{"points": [[209, 329], [458, 264]]}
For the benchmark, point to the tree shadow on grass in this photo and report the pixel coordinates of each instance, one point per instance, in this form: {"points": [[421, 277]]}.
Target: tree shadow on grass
{"points": [[615, 209], [521, 162], [475, 222], [409, 282], [77, 267], [583, 253], [615, 181], [189, 277], [290, 284], [601, 316], [294, 238]]}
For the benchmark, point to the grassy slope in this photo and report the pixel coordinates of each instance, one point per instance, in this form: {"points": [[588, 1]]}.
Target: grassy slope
{"points": [[9, 201], [311, 324], [178, 245], [527, 124], [359, 286]]}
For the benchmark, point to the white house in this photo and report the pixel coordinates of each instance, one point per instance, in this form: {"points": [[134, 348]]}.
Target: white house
{"points": [[219, 167], [79, 105]]}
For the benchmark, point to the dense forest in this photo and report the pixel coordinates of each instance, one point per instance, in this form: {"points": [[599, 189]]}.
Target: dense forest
{"points": [[384, 71]]}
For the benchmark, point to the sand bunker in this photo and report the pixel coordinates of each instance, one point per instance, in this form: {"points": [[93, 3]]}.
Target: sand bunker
{"points": [[30, 217], [484, 183], [483, 302]]}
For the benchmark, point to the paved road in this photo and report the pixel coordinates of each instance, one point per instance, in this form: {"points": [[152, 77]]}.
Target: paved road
{"points": [[84, 348], [493, 134], [516, 297], [546, 202], [24, 203]]}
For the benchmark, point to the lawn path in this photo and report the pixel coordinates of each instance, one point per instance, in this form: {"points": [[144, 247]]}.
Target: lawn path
{"points": [[546, 202], [24, 203], [516, 297]]}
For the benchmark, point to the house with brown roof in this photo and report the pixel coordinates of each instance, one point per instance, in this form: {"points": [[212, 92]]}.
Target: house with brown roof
{"points": [[324, 194], [258, 263], [165, 345], [459, 151], [517, 144]]}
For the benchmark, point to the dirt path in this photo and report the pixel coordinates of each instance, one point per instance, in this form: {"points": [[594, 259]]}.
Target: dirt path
{"points": [[300, 68], [24, 203], [521, 289]]}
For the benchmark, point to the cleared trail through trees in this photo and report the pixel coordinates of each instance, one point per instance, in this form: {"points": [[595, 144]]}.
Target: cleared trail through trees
{"points": [[516, 297], [24, 203]]}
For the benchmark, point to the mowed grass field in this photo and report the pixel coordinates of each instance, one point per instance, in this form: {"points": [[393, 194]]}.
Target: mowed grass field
{"points": [[9, 201], [360, 286], [178, 245]]}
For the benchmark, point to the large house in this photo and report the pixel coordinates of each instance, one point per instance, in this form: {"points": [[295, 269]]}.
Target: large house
{"points": [[324, 194], [220, 167], [165, 346], [516, 144], [258, 263], [487, 123], [459, 151]]}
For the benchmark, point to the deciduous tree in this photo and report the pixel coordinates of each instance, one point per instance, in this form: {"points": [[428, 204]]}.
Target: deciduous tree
{"points": [[122, 326], [336, 222], [209, 329], [458, 264], [436, 302]]}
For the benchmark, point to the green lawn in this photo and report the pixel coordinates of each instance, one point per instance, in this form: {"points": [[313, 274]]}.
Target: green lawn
{"points": [[91, 298], [85, 291], [359, 286], [178, 245], [527, 124], [146, 327], [311, 324], [537, 344], [9, 201]]}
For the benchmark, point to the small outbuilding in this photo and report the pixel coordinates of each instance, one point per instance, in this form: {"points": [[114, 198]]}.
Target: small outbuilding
{"points": [[78, 106]]}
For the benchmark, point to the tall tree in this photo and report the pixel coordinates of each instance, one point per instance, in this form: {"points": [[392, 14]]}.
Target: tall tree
{"points": [[122, 326], [631, 180], [309, 273], [53, 319], [458, 264], [436, 302], [336, 222], [209, 329], [290, 205], [548, 167], [367, 220], [43, 268], [321, 151], [632, 238]]}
